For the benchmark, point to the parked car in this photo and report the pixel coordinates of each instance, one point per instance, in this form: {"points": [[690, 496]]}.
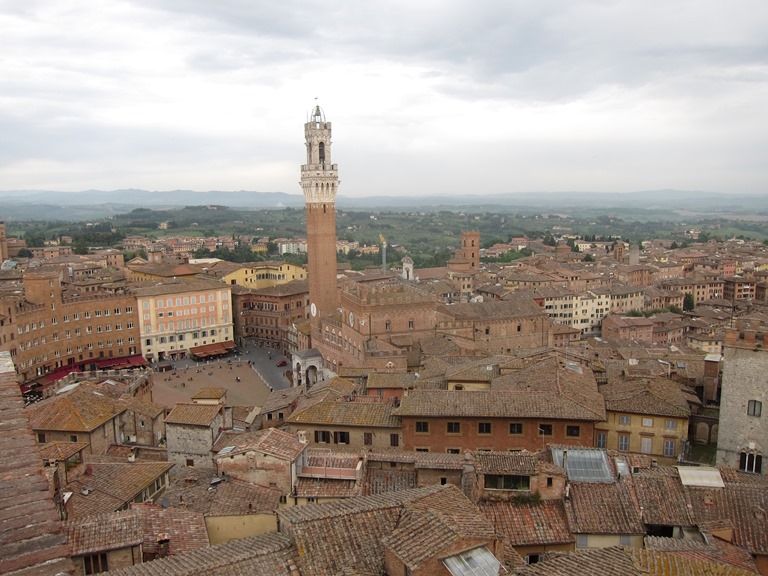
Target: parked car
{"points": [[283, 363]]}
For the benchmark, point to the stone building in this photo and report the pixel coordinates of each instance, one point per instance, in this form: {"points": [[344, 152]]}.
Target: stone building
{"points": [[743, 432], [266, 458], [192, 430]]}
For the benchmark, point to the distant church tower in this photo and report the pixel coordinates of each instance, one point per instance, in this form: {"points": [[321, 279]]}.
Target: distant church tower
{"points": [[470, 248], [3, 244], [319, 182]]}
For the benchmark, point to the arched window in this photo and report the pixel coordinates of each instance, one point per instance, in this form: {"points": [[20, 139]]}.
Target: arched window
{"points": [[321, 150]]}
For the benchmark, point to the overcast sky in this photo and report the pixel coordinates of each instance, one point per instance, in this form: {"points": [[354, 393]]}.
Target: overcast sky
{"points": [[426, 97]]}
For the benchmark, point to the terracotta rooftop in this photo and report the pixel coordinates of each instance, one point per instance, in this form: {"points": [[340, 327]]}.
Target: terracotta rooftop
{"points": [[32, 538], [437, 522], [327, 488], [102, 532], [526, 524], [712, 549], [270, 441], [428, 460], [351, 533], [522, 462], [230, 497], [627, 561], [278, 399], [186, 528], [662, 496], [369, 415], [655, 396], [492, 311], [78, 411], [193, 414], [59, 451], [498, 404], [111, 486], [597, 508], [271, 554], [210, 393]]}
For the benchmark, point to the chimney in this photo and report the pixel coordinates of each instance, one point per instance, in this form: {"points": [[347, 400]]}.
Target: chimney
{"points": [[654, 463]]}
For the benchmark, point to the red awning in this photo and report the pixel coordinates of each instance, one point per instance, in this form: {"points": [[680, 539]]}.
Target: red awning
{"points": [[214, 349]]}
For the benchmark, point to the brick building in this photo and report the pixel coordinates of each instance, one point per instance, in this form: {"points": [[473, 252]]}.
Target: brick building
{"points": [[49, 328]]}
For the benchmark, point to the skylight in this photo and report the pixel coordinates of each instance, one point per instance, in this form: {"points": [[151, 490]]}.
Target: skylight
{"points": [[584, 464], [476, 562]]}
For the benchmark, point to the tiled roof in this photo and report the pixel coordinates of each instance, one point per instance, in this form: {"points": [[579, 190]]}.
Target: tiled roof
{"points": [[112, 485], [341, 386], [102, 532], [436, 522], [32, 537], [347, 534], [426, 460], [379, 481], [60, 451], [281, 399], [142, 407], [522, 462], [626, 561], [152, 288], [78, 411], [327, 488], [193, 414], [596, 508], [745, 505], [526, 524], [492, 311], [231, 497], [369, 415], [186, 528], [210, 393], [270, 441], [270, 554], [497, 404], [655, 396], [558, 376], [291, 288], [712, 549], [662, 497]]}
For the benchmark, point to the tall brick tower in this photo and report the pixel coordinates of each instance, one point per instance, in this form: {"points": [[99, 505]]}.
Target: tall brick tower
{"points": [[319, 182]]}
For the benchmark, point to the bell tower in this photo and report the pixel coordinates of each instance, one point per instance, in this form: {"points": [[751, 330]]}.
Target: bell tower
{"points": [[319, 182]]}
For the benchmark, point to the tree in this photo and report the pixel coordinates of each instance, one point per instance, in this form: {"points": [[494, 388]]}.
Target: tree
{"points": [[24, 253], [588, 258], [80, 246], [688, 302], [674, 246]]}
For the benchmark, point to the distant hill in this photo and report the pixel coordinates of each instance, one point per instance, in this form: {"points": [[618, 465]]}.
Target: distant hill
{"points": [[98, 204]]}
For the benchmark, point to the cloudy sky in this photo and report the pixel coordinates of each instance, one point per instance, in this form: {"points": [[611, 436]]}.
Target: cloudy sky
{"points": [[426, 97]]}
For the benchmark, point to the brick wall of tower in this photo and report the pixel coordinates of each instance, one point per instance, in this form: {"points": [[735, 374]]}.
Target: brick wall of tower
{"points": [[321, 257]]}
